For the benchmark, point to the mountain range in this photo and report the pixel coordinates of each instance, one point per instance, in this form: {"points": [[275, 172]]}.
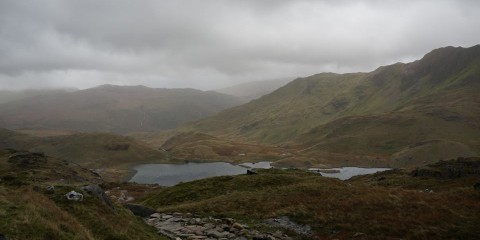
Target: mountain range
{"points": [[396, 115], [117, 109], [399, 115]]}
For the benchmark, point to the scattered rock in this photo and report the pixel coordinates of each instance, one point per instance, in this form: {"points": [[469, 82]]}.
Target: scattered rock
{"points": [[50, 189], [188, 226], [228, 221], [238, 226], [286, 223], [74, 196]]}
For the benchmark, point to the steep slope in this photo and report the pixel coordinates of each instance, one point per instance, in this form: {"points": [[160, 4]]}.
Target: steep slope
{"points": [[33, 203], [114, 109], [254, 90], [376, 113]]}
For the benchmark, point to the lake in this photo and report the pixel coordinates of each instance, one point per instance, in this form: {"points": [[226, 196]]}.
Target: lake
{"points": [[346, 172], [171, 174]]}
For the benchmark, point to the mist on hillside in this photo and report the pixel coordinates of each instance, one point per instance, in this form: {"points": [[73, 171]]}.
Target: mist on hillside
{"points": [[239, 120], [214, 44]]}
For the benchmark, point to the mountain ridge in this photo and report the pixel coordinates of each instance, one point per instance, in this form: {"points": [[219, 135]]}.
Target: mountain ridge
{"points": [[438, 90], [118, 109]]}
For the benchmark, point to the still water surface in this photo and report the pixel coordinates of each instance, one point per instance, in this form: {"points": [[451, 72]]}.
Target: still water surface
{"points": [[347, 172], [171, 174]]}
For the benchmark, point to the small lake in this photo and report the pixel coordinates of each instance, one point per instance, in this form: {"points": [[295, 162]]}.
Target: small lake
{"points": [[171, 174], [346, 172]]}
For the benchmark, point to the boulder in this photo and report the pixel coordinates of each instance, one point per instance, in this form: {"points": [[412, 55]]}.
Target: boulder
{"points": [[238, 226], [74, 196], [139, 210], [98, 192], [251, 172], [50, 188]]}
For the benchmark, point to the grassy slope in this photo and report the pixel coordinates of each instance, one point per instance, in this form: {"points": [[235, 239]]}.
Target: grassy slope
{"points": [[374, 114], [27, 211], [92, 150], [113, 153], [114, 109], [198, 146], [392, 207]]}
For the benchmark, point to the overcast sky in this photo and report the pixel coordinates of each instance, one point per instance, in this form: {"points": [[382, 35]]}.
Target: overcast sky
{"points": [[208, 44]]}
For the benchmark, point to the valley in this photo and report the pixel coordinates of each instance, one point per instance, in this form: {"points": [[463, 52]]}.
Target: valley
{"points": [[419, 121]]}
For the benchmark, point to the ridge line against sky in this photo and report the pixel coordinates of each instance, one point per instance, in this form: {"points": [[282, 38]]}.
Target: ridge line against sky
{"points": [[211, 44]]}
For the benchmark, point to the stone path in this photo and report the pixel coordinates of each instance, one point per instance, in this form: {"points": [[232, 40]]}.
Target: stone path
{"points": [[179, 226]]}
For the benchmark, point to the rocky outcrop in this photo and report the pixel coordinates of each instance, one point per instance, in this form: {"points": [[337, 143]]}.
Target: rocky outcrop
{"points": [[188, 226], [139, 210], [26, 159], [451, 169], [98, 192]]}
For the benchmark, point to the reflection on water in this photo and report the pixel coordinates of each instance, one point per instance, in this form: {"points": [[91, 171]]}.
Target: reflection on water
{"points": [[171, 174], [346, 172]]}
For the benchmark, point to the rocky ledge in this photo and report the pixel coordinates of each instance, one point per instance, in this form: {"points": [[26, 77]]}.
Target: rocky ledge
{"points": [[180, 226]]}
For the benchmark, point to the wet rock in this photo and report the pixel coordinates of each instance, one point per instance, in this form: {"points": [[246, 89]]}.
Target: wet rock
{"points": [[286, 223], [176, 225], [240, 238], [216, 234], [139, 210]]}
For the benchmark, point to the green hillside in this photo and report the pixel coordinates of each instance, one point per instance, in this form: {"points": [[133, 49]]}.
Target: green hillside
{"points": [[374, 114], [111, 154]]}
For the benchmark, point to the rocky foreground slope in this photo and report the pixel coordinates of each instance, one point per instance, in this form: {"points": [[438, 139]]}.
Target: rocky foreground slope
{"points": [[34, 202], [438, 201], [47, 198]]}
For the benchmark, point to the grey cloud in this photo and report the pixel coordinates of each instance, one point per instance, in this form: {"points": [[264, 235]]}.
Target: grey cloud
{"points": [[213, 43]]}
